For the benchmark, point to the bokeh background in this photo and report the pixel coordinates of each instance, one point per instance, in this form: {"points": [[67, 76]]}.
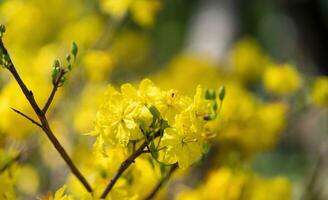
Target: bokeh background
{"points": [[271, 137]]}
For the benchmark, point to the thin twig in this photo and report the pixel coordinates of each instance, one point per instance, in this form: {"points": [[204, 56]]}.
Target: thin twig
{"points": [[27, 117], [11, 162], [122, 168], [162, 182], [43, 119], [56, 85]]}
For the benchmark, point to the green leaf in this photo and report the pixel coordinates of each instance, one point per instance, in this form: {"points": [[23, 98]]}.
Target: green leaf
{"points": [[164, 125], [74, 50], [153, 150], [156, 114], [162, 168]]}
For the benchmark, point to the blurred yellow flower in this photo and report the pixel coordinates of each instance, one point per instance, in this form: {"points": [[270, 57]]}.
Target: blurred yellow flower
{"points": [[97, 65], [27, 180], [281, 79], [131, 43], [115, 8], [319, 91], [143, 11], [247, 60], [234, 184]]}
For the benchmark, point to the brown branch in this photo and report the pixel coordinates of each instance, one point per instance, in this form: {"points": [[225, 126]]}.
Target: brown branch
{"points": [[122, 168], [27, 117], [11, 162], [162, 182], [56, 85], [44, 122]]}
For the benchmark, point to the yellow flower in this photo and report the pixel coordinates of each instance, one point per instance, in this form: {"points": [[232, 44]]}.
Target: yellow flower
{"points": [[282, 79], [201, 107], [226, 183], [183, 142], [116, 119], [170, 103], [319, 92], [60, 195]]}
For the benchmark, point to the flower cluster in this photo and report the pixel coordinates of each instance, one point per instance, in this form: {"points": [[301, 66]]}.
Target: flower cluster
{"points": [[176, 123]]}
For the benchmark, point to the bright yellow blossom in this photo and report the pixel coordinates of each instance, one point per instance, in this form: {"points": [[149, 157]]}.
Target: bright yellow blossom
{"points": [[183, 141], [170, 103], [117, 119]]}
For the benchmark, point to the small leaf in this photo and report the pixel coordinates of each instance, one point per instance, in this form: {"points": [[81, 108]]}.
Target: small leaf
{"points": [[156, 114], [153, 150], [164, 125], [162, 168]]}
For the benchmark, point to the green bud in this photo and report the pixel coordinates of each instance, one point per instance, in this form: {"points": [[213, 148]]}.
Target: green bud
{"points": [[68, 58], [207, 94], [210, 94], [55, 70], [74, 50], [221, 93], [62, 80], [56, 64], [215, 106]]}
